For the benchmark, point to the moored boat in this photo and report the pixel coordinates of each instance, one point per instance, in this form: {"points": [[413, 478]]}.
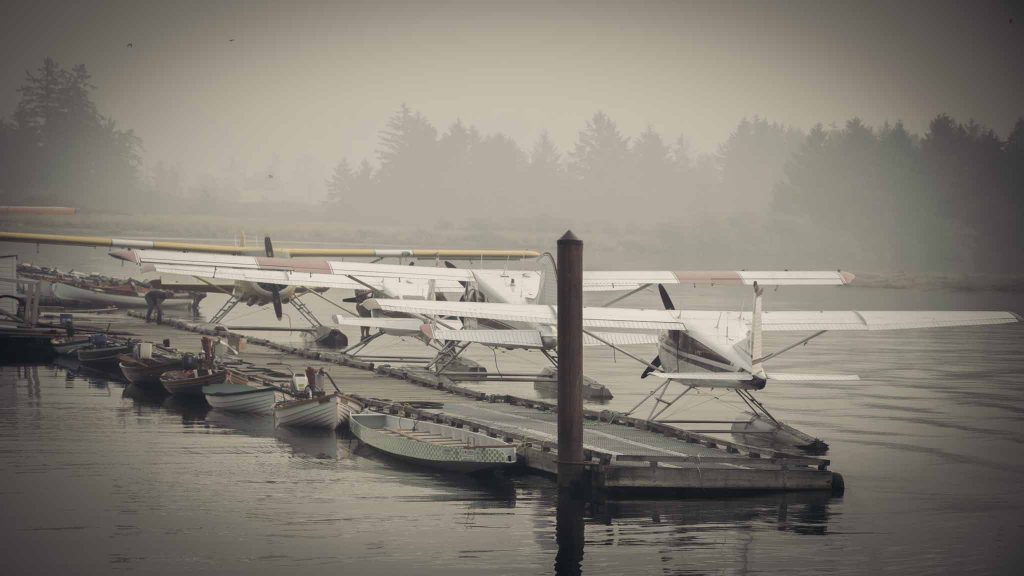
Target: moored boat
{"points": [[315, 412], [347, 406], [103, 357], [235, 397], [65, 346], [191, 382], [432, 444], [146, 372]]}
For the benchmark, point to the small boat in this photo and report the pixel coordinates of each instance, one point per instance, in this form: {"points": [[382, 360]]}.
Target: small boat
{"points": [[315, 412], [347, 406], [65, 346], [147, 371], [191, 382], [760, 431], [432, 444], [103, 357], [235, 397]]}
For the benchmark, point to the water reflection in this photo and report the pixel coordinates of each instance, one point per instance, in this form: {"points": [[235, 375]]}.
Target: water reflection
{"points": [[74, 371], [569, 534]]}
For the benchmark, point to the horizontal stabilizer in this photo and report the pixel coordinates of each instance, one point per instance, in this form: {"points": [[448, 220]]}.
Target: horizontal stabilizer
{"points": [[789, 377], [733, 380], [710, 376]]}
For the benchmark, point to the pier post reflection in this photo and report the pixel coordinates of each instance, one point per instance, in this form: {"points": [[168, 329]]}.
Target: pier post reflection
{"points": [[569, 533]]}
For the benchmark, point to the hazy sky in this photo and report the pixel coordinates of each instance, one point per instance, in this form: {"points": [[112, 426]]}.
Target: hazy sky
{"points": [[319, 80]]}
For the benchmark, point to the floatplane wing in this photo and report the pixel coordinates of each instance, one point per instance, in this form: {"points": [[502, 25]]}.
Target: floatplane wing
{"points": [[338, 274], [600, 281], [593, 317], [287, 271], [703, 320], [298, 252]]}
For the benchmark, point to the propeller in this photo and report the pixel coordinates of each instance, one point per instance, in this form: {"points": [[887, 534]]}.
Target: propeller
{"points": [[275, 290], [360, 297], [656, 363], [463, 283], [666, 301]]}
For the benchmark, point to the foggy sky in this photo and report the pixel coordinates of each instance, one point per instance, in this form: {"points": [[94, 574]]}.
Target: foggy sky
{"points": [[312, 82]]}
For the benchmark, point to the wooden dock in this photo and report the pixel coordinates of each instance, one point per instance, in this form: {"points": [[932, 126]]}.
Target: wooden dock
{"points": [[625, 455]]}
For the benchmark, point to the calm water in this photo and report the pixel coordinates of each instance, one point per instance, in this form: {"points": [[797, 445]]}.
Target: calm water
{"points": [[97, 478]]}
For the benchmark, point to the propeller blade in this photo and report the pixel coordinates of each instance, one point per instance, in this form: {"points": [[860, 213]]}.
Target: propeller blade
{"points": [[276, 294], [463, 283], [665, 299], [268, 246], [654, 363]]}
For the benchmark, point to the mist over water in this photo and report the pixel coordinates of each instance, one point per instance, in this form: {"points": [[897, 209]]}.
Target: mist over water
{"points": [[883, 139]]}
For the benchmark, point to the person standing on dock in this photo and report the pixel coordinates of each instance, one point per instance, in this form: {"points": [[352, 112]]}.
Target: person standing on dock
{"points": [[153, 300]]}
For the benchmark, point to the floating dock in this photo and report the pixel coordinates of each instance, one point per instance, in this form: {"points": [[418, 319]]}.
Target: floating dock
{"points": [[624, 455]]}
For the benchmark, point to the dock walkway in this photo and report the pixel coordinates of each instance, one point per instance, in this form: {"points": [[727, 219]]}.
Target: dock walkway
{"points": [[627, 454]]}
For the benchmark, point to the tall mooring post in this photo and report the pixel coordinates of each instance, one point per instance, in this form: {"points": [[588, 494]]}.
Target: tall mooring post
{"points": [[571, 468]]}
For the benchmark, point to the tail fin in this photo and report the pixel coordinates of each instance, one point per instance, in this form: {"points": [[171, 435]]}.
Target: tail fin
{"points": [[548, 293], [756, 342]]}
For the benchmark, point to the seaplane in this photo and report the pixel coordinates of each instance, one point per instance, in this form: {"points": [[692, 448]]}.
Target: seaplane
{"points": [[258, 293], [420, 285], [702, 349]]}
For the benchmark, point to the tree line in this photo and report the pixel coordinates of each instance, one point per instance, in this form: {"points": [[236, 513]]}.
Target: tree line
{"points": [[952, 198], [56, 148], [770, 195]]}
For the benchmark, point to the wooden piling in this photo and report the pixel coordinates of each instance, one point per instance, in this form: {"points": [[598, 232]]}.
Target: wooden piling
{"points": [[571, 467]]}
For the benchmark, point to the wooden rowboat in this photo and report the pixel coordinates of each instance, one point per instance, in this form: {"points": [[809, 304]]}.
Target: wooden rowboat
{"points": [[316, 412], [146, 372], [67, 346], [347, 406], [189, 382], [432, 444], [103, 358], [235, 397]]}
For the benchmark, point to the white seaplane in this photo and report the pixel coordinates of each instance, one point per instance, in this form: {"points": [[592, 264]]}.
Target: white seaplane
{"points": [[703, 349]]}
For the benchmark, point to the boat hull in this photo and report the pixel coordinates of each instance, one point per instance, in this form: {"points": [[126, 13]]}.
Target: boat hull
{"points": [[147, 374], [347, 406], [476, 452], [240, 398], [182, 384], [104, 358], [320, 412], [67, 347]]}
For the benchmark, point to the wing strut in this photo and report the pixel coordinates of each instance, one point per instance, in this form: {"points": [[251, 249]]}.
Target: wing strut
{"points": [[614, 347], [626, 295]]}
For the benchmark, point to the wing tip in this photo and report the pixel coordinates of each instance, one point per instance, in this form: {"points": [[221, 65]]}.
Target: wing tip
{"points": [[847, 277]]}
